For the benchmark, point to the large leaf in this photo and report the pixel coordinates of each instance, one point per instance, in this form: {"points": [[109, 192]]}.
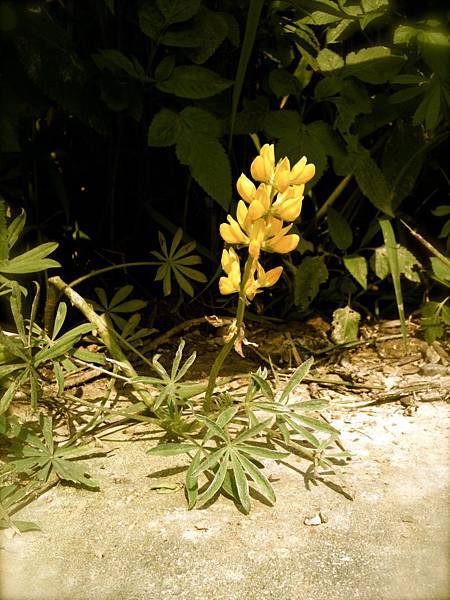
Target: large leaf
{"points": [[329, 62], [115, 61], [163, 128], [193, 82], [373, 65], [177, 11], [209, 164], [310, 274], [339, 229], [371, 180]]}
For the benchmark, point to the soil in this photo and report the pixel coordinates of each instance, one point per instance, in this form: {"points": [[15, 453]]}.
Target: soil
{"points": [[135, 538]]}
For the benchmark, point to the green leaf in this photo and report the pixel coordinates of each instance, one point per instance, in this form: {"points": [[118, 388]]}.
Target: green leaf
{"points": [[317, 425], [263, 385], [198, 120], [115, 61], [371, 180], [310, 274], [163, 129], [209, 165], [280, 123], [402, 161], [329, 61], [216, 483], [303, 142], [357, 266], [59, 319], [296, 378], [251, 27], [32, 261], [345, 325], [282, 83], [193, 82], [15, 228], [441, 211], [177, 11], [258, 478], [241, 482], [151, 20], [210, 30], [373, 65], [261, 452], [394, 268], [7, 397], [407, 263], [210, 461], [63, 344], [171, 449], [191, 484], [440, 269], [339, 229], [70, 471]]}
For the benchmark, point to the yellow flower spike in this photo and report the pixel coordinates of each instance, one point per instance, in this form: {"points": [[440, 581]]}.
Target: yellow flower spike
{"points": [[302, 173], [246, 188], [282, 175], [232, 233], [263, 165]]}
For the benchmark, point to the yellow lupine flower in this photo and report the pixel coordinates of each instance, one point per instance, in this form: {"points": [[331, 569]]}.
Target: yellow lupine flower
{"points": [[301, 172], [231, 266], [268, 278], [232, 233], [246, 188], [262, 167], [288, 204]]}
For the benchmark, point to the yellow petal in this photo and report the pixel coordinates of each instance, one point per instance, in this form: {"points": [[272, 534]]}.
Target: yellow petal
{"points": [[273, 275], [290, 209], [246, 188], [282, 175], [255, 211], [226, 286], [229, 258], [306, 175], [298, 168], [258, 169], [263, 195], [268, 154], [284, 244], [232, 233], [241, 213]]}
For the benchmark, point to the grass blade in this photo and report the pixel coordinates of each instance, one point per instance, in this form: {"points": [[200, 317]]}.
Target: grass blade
{"points": [[392, 256], [251, 26]]}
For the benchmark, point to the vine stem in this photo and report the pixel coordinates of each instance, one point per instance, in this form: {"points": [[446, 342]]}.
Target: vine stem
{"points": [[105, 332], [217, 365]]}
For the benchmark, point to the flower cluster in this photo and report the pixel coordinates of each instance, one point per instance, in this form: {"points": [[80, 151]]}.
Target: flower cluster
{"points": [[260, 218]]}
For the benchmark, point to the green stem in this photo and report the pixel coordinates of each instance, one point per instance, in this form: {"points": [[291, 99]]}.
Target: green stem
{"points": [[229, 345]]}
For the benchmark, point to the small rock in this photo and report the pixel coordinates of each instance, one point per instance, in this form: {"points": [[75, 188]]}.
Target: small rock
{"points": [[314, 520], [431, 355]]}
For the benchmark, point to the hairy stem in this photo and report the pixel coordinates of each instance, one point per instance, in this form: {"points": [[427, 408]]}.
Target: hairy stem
{"points": [[229, 345]]}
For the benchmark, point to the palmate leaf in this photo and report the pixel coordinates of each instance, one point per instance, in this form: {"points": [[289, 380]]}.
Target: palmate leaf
{"points": [[72, 471], [174, 263], [32, 261]]}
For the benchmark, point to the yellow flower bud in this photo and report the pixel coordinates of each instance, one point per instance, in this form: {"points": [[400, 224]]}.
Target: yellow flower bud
{"points": [[263, 165], [231, 266], [288, 205], [246, 188], [302, 173], [282, 176]]}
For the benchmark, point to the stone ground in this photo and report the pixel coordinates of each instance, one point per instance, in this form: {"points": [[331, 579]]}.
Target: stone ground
{"points": [[130, 541]]}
